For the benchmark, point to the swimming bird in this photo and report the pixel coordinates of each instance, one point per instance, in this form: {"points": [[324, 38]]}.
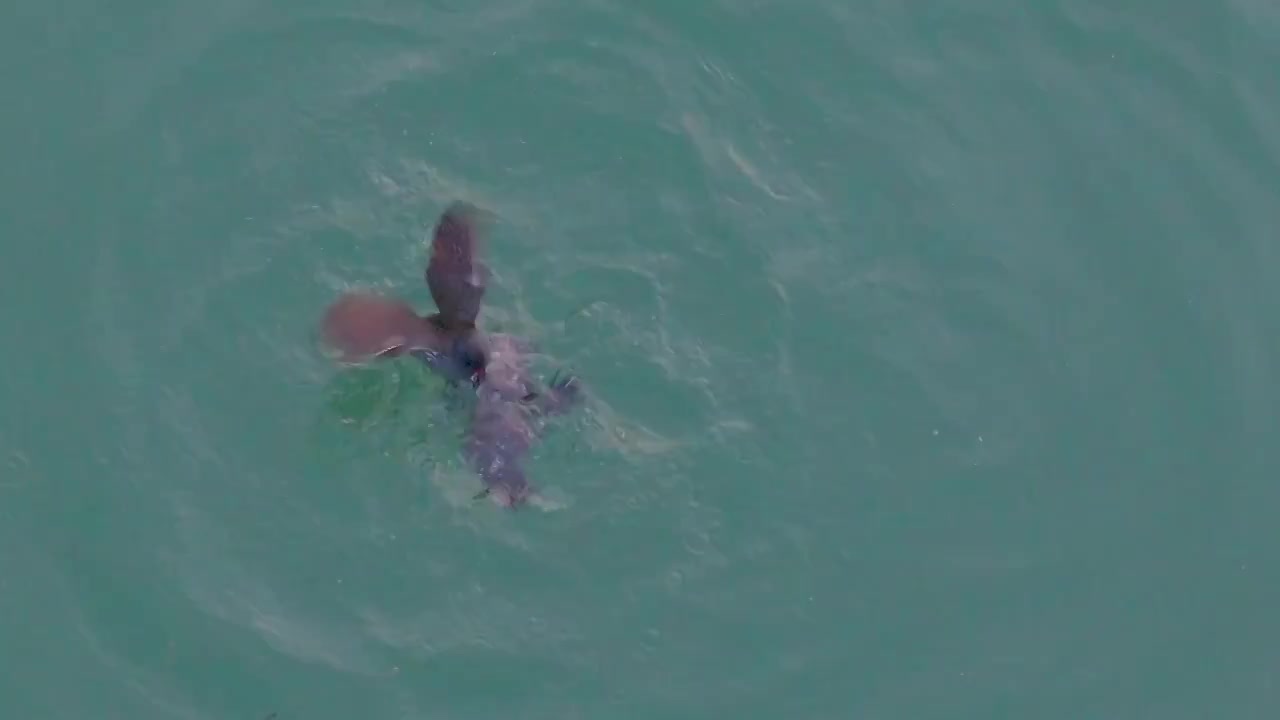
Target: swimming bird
{"points": [[364, 326], [509, 417], [511, 409]]}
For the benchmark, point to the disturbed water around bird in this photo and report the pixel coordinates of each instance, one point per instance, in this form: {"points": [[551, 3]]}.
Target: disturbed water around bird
{"points": [[930, 357]]}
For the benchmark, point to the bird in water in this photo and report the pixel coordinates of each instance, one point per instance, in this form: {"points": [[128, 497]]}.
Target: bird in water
{"points": [[511, 407]]}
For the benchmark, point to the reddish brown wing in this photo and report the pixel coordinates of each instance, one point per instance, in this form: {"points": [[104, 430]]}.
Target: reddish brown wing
{"points": [[456, 274], [361, 326]]}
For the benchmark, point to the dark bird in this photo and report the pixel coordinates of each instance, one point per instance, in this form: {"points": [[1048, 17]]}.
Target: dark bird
{"points": [[364, 326], [511, 409]]}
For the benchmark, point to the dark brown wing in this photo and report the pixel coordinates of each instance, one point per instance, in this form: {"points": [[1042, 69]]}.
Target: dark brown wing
{"points": [[361, 326], [456, 274]]}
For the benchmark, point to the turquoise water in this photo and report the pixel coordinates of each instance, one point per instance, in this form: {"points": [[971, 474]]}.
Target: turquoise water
{"points": [[932, 356]]}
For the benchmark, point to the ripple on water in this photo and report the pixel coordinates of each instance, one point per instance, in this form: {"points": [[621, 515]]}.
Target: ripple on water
{"points": [[227, 589]]}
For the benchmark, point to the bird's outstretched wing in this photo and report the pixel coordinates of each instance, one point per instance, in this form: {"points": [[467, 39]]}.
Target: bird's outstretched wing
{"points": [[361, 326], [456, 273]]}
